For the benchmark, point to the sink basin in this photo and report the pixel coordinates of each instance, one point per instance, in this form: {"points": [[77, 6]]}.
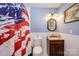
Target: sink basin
{"points": [[54, 36]]}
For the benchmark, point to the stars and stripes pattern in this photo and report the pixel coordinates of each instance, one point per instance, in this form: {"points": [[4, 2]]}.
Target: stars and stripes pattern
{"points": [[14, 30]]}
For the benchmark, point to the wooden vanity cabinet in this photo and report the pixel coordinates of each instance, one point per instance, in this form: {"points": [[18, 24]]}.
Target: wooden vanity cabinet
{"points": [[55, 47]]}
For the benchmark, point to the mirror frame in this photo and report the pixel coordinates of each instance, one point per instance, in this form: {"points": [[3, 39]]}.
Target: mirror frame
{"points": [[51, 24]]}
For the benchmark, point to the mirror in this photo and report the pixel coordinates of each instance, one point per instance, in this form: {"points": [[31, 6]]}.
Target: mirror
{"points": [[51, 24]]}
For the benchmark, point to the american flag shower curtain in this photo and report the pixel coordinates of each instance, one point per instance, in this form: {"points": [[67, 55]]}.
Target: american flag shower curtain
{"points": [[14, 30]]}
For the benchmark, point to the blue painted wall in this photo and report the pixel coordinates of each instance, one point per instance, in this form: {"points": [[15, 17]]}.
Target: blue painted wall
{"points": [[39, 24], [38, 21], [65, 28]]}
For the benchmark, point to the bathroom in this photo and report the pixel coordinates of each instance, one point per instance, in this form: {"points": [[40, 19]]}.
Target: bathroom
{"points": [[69, 31], [40, 30]]}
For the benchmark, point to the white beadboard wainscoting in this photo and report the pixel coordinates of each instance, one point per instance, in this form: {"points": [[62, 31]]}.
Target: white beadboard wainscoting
{"points": [[71, 43]]}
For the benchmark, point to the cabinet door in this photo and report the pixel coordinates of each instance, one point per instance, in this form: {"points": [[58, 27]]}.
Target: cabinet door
{"points": [[59, 49], [53, 50]]}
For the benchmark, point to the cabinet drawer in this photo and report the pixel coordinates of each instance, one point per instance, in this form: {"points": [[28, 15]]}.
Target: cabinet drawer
{"points": [[57, 42]]}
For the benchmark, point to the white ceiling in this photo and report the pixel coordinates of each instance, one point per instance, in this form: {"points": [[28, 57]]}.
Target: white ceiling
{"points": [[44, 5]]}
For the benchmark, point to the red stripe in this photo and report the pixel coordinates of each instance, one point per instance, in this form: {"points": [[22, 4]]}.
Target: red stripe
{"points": [[14, 27], [3, 39], [26, 33], [26, 23], [23, 52], [27, 41], [17, 26], [17, 46]]}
